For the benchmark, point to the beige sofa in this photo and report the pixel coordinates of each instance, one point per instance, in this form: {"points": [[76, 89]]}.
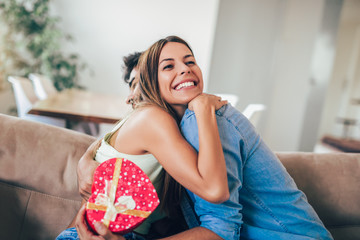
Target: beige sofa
{"points": [[39, 193]]}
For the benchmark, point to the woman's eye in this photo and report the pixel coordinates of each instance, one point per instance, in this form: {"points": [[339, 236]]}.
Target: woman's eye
{"points": [[190, 63], [168, 66]]}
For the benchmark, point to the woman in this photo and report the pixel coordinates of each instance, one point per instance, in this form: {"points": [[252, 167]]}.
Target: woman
{"points": [[151, 134]]}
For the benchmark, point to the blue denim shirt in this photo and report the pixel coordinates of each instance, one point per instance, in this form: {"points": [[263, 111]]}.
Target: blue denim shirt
{"points": [[264, 202]]}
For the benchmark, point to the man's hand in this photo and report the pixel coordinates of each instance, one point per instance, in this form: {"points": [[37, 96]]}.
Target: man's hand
{"points": [[85, 171], [85, 233]]}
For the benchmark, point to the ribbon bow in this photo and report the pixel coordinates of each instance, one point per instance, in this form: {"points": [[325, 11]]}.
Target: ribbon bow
{"points": [[122, 203]]}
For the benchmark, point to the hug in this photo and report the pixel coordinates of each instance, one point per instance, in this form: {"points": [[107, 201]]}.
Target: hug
{"points": [[201, 152], [202, 156]]}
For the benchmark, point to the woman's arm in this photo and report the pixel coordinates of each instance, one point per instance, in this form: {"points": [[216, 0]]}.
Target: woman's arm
{"points": [[213, 164], [157, 132]]}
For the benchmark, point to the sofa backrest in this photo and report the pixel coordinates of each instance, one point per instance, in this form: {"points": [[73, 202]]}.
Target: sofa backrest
{"points": [[38, 179], [39, 192]]}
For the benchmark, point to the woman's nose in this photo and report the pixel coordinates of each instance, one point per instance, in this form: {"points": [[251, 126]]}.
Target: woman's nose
{"points": [[184, 69]]}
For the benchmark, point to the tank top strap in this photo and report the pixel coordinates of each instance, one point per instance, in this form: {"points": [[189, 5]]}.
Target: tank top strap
{"points": [[108, 136]]}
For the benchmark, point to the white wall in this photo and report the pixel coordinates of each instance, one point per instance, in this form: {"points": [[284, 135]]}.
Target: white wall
{"points": [[292, 71], [345, 77], [262, 53], [105, 31], [244, 49]]}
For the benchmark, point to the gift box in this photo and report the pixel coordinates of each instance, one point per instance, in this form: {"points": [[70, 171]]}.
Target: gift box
{"points": [[122, 196]]}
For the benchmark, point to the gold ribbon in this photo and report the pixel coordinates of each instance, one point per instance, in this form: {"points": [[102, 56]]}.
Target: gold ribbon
{"points": [[106, 202]]}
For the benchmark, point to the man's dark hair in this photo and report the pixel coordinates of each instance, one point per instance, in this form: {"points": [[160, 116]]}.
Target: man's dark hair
{"points": [[130, 61]]}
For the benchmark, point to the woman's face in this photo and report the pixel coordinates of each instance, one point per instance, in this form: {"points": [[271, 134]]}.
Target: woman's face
{"points": [[180, 78]]}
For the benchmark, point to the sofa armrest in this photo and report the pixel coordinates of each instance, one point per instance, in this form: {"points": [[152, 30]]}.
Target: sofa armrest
{"points": [[38, 181], [331, 183]]}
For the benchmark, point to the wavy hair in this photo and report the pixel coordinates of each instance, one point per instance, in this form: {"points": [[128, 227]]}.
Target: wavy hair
{"points": [[148, 67], [150, 94]]}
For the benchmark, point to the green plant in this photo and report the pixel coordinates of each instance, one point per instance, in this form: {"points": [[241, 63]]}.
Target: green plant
{"points": [[31, 43]]}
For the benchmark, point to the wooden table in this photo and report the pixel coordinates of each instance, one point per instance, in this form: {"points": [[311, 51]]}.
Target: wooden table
{"points": [[82, 105]]}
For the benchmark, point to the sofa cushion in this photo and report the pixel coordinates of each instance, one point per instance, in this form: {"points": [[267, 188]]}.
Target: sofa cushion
{"points": [[38, 182], [34, 215]]}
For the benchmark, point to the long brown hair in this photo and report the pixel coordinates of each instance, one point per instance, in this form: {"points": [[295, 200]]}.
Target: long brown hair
{"points": [[148, 67], [150, 93]]}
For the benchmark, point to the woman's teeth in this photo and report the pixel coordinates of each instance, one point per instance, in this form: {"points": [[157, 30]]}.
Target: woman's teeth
{"points": [[185, 84]]}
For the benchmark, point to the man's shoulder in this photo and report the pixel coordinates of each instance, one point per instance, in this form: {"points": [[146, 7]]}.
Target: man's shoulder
{"points": [[226, 112]]}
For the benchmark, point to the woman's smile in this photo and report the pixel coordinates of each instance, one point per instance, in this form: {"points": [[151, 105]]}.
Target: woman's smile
{"points": [[185, 84]]}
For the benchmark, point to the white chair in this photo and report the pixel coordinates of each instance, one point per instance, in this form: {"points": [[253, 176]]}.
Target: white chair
{"points": [[43, 86], [253, 112], [25, 97], [231, 98]]}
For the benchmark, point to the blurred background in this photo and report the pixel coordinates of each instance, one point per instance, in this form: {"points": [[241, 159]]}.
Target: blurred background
{"points": [[299, 58]]}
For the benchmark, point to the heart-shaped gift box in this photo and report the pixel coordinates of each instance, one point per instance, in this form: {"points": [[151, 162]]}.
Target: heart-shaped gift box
{"points": [[122, 196]]}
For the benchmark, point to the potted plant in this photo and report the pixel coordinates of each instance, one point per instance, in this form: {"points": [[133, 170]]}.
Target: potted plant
{"points": [[32, 41]]}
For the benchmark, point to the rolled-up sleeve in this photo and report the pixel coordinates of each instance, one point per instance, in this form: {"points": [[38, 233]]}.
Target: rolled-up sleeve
{"points": [[218, 218]]}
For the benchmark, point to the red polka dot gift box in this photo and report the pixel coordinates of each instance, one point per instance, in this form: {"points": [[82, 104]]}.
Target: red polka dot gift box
{"points": [[122, 196]]}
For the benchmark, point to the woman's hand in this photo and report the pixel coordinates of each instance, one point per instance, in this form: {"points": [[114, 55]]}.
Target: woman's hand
{"points": [[206, 100], [85, 233], [85, 171]]}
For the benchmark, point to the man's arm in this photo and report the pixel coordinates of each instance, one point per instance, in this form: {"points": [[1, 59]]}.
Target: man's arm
{"points": [[85, 170]]}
